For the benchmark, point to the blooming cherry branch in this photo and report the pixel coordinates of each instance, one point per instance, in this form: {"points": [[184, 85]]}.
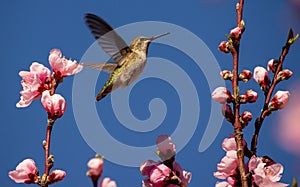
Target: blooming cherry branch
{"points": [[39, 82], [232, 166]]}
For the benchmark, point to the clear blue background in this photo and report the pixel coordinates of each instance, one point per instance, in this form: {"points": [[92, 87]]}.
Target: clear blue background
{"points": [[31, 28]]}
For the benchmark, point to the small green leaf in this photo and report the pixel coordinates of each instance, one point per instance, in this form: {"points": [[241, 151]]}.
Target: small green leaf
{"points": [[292, 40], [294, 184]]}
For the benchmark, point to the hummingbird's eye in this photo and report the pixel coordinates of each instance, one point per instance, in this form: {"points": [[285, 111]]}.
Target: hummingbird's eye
{"points": [[142, 39]]}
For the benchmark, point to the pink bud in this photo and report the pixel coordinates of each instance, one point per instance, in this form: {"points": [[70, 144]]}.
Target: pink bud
{"points": [[284, 74], [251, 96], [245, 118], [26, 172], [221, 95], [226, 74], [224, 47], [55, 105], [261, 76], [95, 168], [235, 33], [165, 146], [271, 65], [227, 112], [56, 175], [279, 101], [245, 76], [107, 182]]}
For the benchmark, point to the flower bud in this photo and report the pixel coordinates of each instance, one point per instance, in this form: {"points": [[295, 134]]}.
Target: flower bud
{"points": [[251, 96], [284, 75], [227, 113], [95, 168], [245, 118], [56, 175], [272, 65], [107, 182], [166, 148], [236, 33], [55, 105], [279, 101], [221, 95], [245, 76], [224, 47], [261, 76], [226, 74]]}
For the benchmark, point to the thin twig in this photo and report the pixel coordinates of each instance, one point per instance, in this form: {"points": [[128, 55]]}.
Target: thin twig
{"points": [[47, 148], [259, 121]]}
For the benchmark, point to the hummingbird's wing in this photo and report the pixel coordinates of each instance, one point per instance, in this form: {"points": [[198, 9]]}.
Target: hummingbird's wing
{"points": [[107, 67], [108, 39]]}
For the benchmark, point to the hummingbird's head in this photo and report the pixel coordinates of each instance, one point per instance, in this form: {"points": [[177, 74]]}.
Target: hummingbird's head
{"points": [[142, 42]]}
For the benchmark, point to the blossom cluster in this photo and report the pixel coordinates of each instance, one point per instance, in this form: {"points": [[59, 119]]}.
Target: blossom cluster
{"points": [[167, 172], [265, 172], [41, 82], [27, 172]]}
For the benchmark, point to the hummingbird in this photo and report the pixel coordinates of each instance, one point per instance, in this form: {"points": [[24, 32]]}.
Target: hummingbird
{"points": [[129, 61]]}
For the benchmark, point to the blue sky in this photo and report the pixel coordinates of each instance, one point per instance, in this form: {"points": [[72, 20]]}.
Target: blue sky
{"points": [[30, 29]]}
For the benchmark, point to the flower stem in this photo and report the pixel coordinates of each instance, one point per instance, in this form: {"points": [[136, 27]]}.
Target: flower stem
{"points": [[238, 130], [259, 121], [95, 183], [48, 162]]}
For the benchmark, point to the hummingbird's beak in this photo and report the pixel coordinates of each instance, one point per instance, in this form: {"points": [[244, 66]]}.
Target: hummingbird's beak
{"points": [[158, 36]]}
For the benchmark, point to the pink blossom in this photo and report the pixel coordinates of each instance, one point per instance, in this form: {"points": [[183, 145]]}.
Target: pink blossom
{"points": [[184, 176], [159, 174], [147, 166], [261, 76], [223, 47], [34, 82], [56, 175], [251, 96], [229, 144], [26, 172], [55, 105], [221, 95], [107, 182], [61, 66], [265, 175], [280, 100], [223, 184], [165, 146], [236, 33], [95, 168], [228, 165]]}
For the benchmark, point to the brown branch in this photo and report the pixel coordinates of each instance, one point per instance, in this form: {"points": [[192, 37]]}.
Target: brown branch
{"points": [[238, 130], [265, 112], [48, 159]]}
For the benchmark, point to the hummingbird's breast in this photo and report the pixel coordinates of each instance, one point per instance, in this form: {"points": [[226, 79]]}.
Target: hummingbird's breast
{"points": [[135, 65]]}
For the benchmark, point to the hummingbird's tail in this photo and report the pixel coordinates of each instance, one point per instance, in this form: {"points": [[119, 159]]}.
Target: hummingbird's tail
{"points": [[104, 92]]}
